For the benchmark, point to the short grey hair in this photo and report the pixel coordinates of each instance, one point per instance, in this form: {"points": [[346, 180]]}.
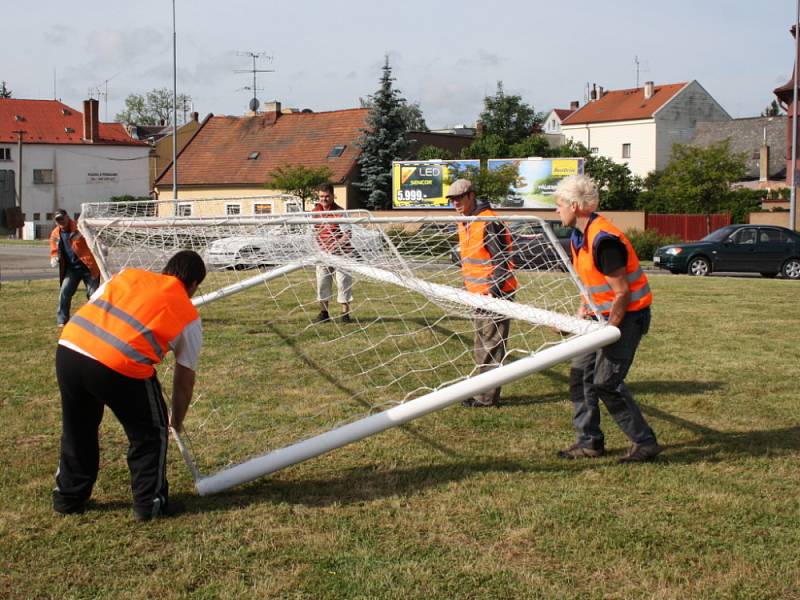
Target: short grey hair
{"points": [[580, 189]]}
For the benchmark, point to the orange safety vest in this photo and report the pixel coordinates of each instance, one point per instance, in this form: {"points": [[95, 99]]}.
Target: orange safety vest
{"points": [[476, 262], [79, 247], [129, 326], [594, 280]]}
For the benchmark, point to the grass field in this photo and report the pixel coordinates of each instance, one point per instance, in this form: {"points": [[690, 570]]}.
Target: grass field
{"points": [[460, 504]]}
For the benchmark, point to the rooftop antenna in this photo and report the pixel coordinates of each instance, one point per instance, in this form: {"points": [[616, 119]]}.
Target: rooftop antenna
{"points": [[254, 104], [102, 90], [639, 69]]}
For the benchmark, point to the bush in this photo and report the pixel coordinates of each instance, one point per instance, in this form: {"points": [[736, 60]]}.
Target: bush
{"points": [[645, 242]]}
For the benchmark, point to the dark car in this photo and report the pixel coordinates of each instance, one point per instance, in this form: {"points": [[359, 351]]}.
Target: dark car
{"points": [[765, 249], [531, 247]]}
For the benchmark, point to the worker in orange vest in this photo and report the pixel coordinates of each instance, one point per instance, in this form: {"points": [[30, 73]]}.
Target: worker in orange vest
{"points": [[106, 357], [609, 269], [70, 253], [487, 267]]}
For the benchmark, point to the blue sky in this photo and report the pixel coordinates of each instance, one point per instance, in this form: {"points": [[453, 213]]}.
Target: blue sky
{"points": [[445, 55]]}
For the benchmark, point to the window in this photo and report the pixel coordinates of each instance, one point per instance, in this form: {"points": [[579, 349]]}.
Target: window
{"points": [[49, 216], [262, 208], [184, 209], [594, 150], [43, 176], [253, 155], [233, 209], [744, 236], [773, 236], [37, 216], [626, 150], [5, 153], [337, 151]]}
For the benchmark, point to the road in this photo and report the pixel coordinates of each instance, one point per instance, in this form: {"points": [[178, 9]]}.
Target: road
{"points": [[23, 261]]}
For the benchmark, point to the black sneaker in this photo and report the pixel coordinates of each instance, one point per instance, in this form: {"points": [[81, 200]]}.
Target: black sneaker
{"points": [[575, 451], [77, 509], [641, 453], [480, 403], [170, 510], [322, 317], [346, 318]]}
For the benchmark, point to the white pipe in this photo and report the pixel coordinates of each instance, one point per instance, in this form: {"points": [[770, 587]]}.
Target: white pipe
{"points": [[403, 413], [247, 283]]}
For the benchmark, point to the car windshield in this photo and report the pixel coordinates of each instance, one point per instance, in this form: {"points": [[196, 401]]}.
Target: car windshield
{"points": [[718, 235]]}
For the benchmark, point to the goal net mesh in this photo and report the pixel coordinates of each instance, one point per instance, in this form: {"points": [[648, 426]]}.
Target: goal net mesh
{"points": [[270, 374]]}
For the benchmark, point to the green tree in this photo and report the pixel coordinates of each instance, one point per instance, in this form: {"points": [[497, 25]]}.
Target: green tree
{"points": [[4, 91], [434, 153], [696, 180], [153, 108], [299, 180], [619, 188], [773, 110], [411, 113], [534, 145], [383, 141]]}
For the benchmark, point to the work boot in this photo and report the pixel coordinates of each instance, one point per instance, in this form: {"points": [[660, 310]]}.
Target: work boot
{"points": [[346, 318], [641, 453], [322, 317], [578, 451], [480, 403], [170, 510]]}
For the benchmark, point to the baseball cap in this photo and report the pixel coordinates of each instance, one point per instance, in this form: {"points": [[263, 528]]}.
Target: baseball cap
{"points": [[459, 187], [59, 214]]}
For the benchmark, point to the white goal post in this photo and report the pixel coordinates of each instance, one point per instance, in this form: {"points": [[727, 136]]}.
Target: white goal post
{"points": [[277, 384]]}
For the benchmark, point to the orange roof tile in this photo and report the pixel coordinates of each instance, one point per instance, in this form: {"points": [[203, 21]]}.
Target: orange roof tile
{"points": [[53, 122], [624, 105], [218, 153]]}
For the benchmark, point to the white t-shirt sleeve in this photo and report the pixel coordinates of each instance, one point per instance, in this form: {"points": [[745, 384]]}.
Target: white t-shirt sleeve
{"points": [[187, 344]]}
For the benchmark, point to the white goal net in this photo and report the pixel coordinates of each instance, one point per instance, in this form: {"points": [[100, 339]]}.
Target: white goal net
{"points": [[276, 386]]}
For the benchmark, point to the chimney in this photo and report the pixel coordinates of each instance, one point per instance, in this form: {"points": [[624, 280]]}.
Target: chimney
{"points": [[574, 105], [91, 120], [272, 110], [599, 92], [593, 94], [195, 116], [763, 160], [649, 88]]}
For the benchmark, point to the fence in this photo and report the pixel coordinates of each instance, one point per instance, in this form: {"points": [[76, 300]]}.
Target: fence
{"points": [[688, 227]]}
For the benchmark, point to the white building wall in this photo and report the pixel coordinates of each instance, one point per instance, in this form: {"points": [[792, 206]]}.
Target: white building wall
{"points": [[676, 120], [609, 138], [81, 173], [552, 123]]}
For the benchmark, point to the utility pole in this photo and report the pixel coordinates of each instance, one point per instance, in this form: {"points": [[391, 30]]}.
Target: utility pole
{"points": [[174, 114], [20, 133], [793, 195]]}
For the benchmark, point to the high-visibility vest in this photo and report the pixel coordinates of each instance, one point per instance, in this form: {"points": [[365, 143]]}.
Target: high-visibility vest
{"points": [[594, 280], [79, 247], [128, 328], [476, 262]]}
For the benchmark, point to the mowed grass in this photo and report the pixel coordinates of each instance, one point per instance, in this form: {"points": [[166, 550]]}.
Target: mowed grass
{"points": [[459, 504]]}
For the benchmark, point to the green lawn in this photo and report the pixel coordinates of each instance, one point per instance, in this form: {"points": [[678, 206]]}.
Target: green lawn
{"points": [[459, 504]]}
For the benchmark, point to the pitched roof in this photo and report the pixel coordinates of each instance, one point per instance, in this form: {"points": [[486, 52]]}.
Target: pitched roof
{"points": [[563, 113], [624, 105], [220, 149], [53, 122]]}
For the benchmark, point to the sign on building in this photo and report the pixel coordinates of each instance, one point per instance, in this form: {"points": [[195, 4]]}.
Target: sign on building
{"points": [[424, 184]]}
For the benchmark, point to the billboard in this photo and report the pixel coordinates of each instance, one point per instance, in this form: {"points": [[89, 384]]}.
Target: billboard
{"points": [[538, 179], [424, 184]]}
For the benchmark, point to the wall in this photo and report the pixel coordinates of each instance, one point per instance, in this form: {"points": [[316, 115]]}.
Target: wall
{"points": [[676, 120], [774, 218], [82, 173], [161, 157], [609, 137]]}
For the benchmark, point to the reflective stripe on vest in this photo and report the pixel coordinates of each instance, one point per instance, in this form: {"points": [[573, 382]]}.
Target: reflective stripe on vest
{"points": [[596, 283], [477, 266], [129, 327]]}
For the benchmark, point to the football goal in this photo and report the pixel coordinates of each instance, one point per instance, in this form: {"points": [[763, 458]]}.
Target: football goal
{"points": [[277, 384]]}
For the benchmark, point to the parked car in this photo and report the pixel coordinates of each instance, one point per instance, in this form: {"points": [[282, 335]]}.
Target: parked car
{"points": [[531, 247], [280, 245], [765, 249]]}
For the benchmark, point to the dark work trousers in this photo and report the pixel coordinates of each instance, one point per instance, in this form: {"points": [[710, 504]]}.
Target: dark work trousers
{"points": [[601, 376], [87, 386], [72, 277], [491, 335]]}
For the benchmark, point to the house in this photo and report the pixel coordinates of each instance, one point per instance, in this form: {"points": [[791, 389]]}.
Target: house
{"points": [[53, 156], [551, 126], [232, 157], [639, 126], [760, 139], [451, 143], [160, 139]]}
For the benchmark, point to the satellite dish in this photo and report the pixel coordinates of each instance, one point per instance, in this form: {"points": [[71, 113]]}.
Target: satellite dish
{"points": [[254, 104]]}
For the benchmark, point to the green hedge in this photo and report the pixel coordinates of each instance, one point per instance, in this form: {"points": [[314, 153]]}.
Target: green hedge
{"points": [[645, 242]]}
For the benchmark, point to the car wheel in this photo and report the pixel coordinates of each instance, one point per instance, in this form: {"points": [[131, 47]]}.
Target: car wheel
{"points": [[699, 267], [769, 275], [791, 268]]}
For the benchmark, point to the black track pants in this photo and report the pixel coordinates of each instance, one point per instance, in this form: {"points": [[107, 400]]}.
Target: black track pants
{"points": [[87, 386]]}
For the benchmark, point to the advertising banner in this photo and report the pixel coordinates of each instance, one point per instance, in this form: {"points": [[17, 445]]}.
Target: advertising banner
{"points": [[424, 184], [538, 179]]}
